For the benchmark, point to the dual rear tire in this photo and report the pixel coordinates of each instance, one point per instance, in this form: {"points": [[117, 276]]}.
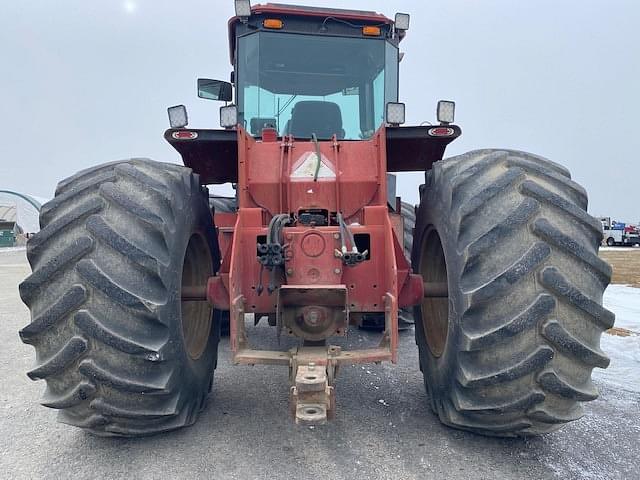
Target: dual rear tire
{"points": [[511, 350], [120, 352]]}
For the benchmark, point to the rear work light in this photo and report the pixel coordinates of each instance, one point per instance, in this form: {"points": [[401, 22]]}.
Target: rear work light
{"points": [[395, 113], [273, 23], [371, 31], [402, 21], [446, 112], [178, 117], [228, 116], [243, 8]]}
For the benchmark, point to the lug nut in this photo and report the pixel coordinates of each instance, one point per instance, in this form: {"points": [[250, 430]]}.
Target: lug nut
{"points": [[313, 317]]}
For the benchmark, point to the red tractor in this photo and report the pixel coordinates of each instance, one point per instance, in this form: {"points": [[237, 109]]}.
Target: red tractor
{"points": [[133, 277]]}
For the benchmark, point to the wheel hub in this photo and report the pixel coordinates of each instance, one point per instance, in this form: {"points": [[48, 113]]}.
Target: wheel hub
{"points": [[435, 309], [196, 314]]}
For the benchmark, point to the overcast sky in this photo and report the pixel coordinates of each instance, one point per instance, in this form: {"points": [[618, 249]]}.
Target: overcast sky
{"points": [[85, 82]]}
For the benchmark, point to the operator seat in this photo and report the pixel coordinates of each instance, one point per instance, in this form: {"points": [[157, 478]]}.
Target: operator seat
{"points": [[322, 118]]}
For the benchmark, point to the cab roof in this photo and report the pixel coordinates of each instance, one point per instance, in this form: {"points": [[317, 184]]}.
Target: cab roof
{"points": [[363, 16], [283, 9]]}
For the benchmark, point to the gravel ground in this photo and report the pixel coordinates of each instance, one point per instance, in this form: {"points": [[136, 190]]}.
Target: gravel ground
{"points": [[383, 429]]}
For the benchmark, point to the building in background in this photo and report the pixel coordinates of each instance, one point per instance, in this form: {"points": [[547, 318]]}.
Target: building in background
{"points": [[27, 210], [9, 229]]}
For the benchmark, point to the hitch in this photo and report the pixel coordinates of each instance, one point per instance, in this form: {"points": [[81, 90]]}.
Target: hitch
{"points": [[312, 373], [312, 399]]}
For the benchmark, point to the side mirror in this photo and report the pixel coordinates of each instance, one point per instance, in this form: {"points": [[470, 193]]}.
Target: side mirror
{"points": [[215, 90]]}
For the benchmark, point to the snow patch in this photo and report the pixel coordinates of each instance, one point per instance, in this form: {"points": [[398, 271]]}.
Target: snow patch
{"points": [[624, 370], [620, 249]]}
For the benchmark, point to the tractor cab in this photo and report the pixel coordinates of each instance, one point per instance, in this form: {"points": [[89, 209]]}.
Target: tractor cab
{"points": [[314, 74], [306, 75]]}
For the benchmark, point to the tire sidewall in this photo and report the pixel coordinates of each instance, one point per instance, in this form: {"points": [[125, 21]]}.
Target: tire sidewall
{"points": [[195, 375], [439, 372]]}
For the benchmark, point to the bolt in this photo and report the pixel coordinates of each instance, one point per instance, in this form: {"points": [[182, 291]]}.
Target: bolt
{"points": [[289, 271], [336, 236], [153, 357], [337, 271], [312, 365], [313, 317]]}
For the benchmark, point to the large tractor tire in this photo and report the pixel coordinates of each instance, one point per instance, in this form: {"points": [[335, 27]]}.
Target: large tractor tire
{"points": [[223, 204], [408, 213], [121, 354], [405, 315], [511, 350]]}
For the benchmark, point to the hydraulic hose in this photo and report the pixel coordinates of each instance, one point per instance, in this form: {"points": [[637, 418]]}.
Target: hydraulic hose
{"points": [[314, 138]]}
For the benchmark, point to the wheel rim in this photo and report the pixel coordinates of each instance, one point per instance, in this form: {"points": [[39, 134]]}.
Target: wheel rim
{"points": [[196, 315], [435, 311]]}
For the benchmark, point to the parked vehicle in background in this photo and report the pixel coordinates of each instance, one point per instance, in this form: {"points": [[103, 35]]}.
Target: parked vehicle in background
{"points": [[619, 234]]}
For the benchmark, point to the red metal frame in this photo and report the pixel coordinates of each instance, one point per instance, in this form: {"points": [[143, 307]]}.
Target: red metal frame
{"points": [[318, 287], [358, 189]]}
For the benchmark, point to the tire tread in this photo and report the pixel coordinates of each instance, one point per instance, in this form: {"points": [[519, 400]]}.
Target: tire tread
{"points": [[520, 231]]}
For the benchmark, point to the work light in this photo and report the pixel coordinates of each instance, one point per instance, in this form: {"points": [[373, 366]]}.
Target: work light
{"points": [[395, 113], [446, 111], [402, 21], [228, 116], [178, 117], [243, 8]]}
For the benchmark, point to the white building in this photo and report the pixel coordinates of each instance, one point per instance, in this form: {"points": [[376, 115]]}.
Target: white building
{"points": [[27, 209]]}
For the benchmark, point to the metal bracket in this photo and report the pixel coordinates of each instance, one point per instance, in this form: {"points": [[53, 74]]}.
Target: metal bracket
{"points": [[312, 395], [312, 398]]}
